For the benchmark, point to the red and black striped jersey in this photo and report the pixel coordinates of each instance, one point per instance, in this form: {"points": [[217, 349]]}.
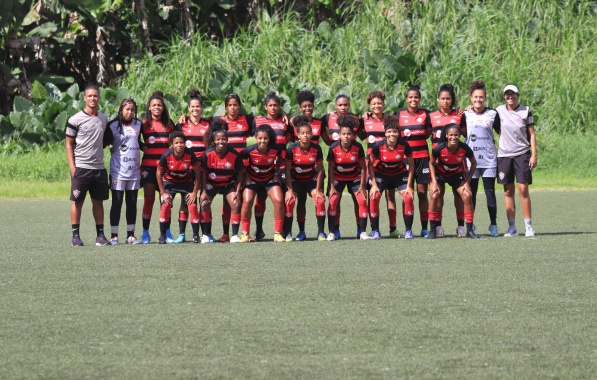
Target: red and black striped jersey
{"points": [[178, 170], [374, 131], [390, 162], [414, 128], [194, 134], [346, 162], [156, 140], [438, 121], [221, 171], [282, 130], [449, 164], [315, 130], [261, 167], [303, 162], [238, 130], [331, 130]]}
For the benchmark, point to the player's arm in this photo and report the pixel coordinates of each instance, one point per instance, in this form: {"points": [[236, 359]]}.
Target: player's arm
{"points": [[363, 188], [320, 171], [533, 141], [165, 197], [70, 154], [433, 185], [370, 161], [191, 197], [361, 133]]}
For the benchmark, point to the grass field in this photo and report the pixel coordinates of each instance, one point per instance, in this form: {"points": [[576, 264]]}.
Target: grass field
{"points": [[451, 308]]}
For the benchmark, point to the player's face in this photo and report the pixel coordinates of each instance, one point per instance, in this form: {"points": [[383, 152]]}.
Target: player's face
{"points": [[221, 141], [128, 112], [413, 99], [345, 136], [156, 107], [233, 108], [392, 135], [307, 108], [178, 145], [272, 108], [195, 108], [91, 98], [511, 98], [453, 135], [376, 105], [262, 141], [342, 106], [478, 99], [304, 135], [445, 100]]}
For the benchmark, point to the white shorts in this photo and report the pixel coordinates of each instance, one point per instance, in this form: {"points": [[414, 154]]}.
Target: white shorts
{"points": [[124, 184], [484, 172]]}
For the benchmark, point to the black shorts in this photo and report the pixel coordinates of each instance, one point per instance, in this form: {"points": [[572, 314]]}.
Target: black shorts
{"points": [[304, 187], [510, 167], [353, 186], [454, 181], [148, 175], [179, 188], [422, 170], [258, 187], [399, 182], [212, 190], [93, 180]]}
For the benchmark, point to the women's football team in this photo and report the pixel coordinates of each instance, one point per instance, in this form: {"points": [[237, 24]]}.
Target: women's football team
{"points": [[200, 158]]}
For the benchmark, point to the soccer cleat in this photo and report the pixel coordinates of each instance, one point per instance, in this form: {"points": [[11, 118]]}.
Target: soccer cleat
{"points": [[460, 231], [375, 235], [245, 238], [289, 238], [511, 232], [364, 236], [101, 241], [114, 240], [358, 233], [278, 238], [395, 234], [439, 232], [180, 239], [322, 237], [432, 234], [302, 236], [493, 230], [424, 233], [234, 239], [162, 240], [145, 237], [207, 238], [224, 239], [196, 239], [77, 242], [337, 235], [169, 237], [259, 235], [331, 236], [131, 240], [530, 232], [408, 235], [471, 235]]}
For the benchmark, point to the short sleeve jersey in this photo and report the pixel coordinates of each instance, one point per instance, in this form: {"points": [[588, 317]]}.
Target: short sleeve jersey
{"points": [[315, 130], [330, 127], [374, 130], [303, 162], [438, 121], [178, 170], [390, 162], [221, 171], [125, 161], [346, 162], [238, 131], [157, 141], [479, 136], [88, 132], [261, 167], [194, 134], [514, 135], [413, 128], [450, 164]]}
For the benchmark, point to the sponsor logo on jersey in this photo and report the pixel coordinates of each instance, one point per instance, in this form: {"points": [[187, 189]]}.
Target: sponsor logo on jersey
{"points": [[298, 170], [188, 144], [371, 139], [212, 175], [151, 139], [335, 136]]}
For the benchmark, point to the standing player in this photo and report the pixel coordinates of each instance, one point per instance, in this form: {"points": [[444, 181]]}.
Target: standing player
{"points": [[85, 155], [222, 172], [415, 128], [304, 174], [446, 114], [517, 157], [478, 125], [306, 102], [124, 135], [263, 161], [388, 172], [156, 128], [174, 177], [448, 165], [346, 160]]}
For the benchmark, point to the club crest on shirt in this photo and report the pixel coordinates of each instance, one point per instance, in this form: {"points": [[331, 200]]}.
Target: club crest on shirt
{"points": [[144, 173], [502, 175], [227, 165], [76, 193]]}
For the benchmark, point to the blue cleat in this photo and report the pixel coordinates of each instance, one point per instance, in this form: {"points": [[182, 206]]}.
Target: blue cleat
{"points": [[358, 233], [424, 233], [375, 235], [337, 235], [145, 237], [408, 235], [169, 237], [301, 236], [180, 239]]}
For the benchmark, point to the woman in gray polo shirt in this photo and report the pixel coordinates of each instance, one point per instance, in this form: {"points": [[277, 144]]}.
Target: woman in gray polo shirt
{"points": [[517, 157]]}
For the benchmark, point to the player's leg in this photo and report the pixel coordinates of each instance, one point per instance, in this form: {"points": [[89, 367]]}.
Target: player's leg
{"points": [[234, 200], [183, 218], [206, 216], [115, 210], [489, 187], [301, 214], [226, 214], [320, 215], [245, 214], [99, 191], [259, 214], [435, 208], [130, 200], [277, 197], [466, 194]]}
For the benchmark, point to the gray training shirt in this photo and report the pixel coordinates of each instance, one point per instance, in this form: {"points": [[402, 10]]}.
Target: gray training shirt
{"points": [[514, 137], [88, 132]]}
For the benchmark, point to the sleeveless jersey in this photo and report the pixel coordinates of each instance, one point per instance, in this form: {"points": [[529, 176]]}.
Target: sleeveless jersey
{"points": [[346, 161], [178, 170], [195, 135], [261, 167], [479, 136], [330, 128], [303, 163], [390, 162], [157, 141], [438, 121], [125, 161], [449, 164], [414, 129]]}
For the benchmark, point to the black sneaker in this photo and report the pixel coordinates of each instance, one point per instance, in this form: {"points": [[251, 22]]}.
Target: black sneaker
{"points": [[471, 234], [162, 240], [101, 241], [196, 239], [259, 235], [432, 234], [77, 242]]}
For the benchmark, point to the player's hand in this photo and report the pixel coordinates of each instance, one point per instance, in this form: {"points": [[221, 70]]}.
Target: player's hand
{"points": [[363, 191], [459, 111], [191, 197], [319, 195], [166, 198], [411, 191], [367, 115], [533, 162], [204, 198], [183, 119], [332, 192], [374, 189], [290, 195], [112, 150], [433, 188]]}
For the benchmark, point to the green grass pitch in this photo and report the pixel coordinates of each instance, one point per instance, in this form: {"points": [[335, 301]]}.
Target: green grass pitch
{"points": [[450, 308]]}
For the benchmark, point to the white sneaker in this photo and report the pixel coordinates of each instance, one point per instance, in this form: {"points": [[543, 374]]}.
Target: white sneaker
{"points": [[460, 231], [331, 237], [439, 232], [234, 239], [530, 232], [205, 239], [364, 236], [511, 232]]}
